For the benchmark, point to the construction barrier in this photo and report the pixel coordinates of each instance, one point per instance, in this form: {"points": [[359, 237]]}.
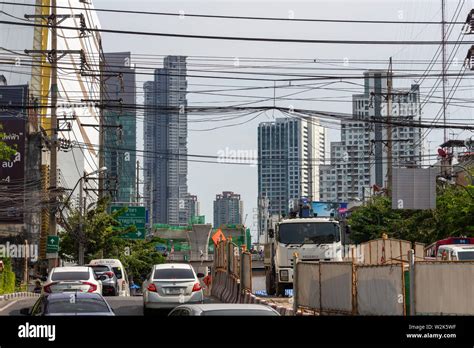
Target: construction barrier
{"points": [[380, 290], [384, 251], [444, 288], [336, 279], [246, 271]]}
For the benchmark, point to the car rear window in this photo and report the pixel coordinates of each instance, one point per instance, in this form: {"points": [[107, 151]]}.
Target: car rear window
{"points": [[173, 273], [239, 312], [100, 269], [118, 272], [70, 276], [78, 305]]}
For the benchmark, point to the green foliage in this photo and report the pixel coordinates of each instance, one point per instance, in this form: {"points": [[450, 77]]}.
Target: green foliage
{"points": [[99, 235], [142, 257], [102, 232], [453, 216], [6, 152], [7, 278]]}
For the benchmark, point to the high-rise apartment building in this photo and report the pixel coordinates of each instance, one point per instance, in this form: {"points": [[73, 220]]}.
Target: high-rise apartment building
{"points": [[120, 135], [359, 160], [165, 133], [290, 151], [228, 209]]}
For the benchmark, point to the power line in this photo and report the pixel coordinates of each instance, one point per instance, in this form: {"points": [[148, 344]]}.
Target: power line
{"points": [[241, 38], [353, 21]]}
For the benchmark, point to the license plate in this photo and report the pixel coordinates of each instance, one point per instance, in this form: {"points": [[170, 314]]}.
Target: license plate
{"points": [[174, 291]]}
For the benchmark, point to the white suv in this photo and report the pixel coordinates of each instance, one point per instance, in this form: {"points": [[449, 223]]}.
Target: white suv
{"points": [[79, 278], [170, 285]]}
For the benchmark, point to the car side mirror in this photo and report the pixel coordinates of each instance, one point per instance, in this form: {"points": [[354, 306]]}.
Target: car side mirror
{"points": [[25, 311], [200, 275], [271, 233], [44, 278]]}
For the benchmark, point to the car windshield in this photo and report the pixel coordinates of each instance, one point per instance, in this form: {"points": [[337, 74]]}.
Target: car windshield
{"points": [[74, 304], [100, 269], [173, 273], [239, 312], [465, 255], [308, 233], [70, 276], [118, 272]]}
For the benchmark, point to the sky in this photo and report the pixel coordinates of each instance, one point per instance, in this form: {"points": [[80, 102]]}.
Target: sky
{"points": [[206, 180]]}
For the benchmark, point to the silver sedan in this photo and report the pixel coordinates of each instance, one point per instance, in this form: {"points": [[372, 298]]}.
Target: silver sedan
{"points": [[169, 285]]}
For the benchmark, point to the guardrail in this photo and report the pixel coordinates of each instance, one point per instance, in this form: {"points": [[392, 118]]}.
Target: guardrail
{"points": [[232, 278]]}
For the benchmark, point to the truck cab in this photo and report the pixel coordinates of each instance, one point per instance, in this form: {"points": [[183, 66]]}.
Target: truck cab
{"points": [[455, 252], [311, 237]]}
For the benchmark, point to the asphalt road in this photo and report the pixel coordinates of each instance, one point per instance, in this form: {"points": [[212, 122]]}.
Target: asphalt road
{"points": [[121, 305]]}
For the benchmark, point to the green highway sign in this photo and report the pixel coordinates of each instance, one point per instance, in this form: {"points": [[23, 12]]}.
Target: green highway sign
{"points": [[52, 244], [134, 216]]}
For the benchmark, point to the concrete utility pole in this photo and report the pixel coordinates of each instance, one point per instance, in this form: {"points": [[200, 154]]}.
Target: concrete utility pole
{"points": [[138, 182], [389, 128], [82, 208], [53, 171], [443, 69], [101, 121]]}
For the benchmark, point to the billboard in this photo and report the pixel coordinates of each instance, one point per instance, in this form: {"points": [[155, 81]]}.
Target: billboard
{"points": [[325, 209], [13, 117], [414, 188]]}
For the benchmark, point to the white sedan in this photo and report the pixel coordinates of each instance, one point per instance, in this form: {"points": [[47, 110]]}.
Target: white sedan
{"points": [[170, 285], [66, 279]]}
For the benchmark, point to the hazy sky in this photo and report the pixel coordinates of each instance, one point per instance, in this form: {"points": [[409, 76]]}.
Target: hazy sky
{"points": [[205, 180]]}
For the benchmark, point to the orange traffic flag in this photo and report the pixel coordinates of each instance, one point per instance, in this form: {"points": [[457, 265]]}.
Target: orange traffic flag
{"points": [[218, 236]]}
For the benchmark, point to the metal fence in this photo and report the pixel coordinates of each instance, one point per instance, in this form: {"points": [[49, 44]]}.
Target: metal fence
{"points": [[444, 288], [324, 287], [380, 290], [385, 251]]}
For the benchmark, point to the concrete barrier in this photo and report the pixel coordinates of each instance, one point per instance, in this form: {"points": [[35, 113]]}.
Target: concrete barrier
{"points": [[15, 295]]}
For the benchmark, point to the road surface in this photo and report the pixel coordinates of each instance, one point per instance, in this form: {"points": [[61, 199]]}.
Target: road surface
{"points": [[121, 305]]}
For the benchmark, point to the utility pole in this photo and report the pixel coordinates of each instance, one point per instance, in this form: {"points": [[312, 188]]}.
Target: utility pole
{"points": [[82, 209], [389, 129], [54, 125], [101, 121], [443, 50], [138, 182]]}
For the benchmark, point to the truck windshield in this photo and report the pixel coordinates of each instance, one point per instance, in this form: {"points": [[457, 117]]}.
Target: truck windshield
{"points": [[308, 233]]}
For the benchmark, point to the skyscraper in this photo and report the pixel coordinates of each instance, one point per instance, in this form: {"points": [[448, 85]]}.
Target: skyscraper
{"points": [[359, 160], [290, 151], [165, 132], [228, 209], [120, 133]]}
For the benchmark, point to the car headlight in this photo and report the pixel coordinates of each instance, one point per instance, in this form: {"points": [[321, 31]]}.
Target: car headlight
{"points": [[284, 276]]}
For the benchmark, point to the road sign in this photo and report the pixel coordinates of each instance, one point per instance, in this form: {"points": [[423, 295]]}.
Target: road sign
{"points": [[52, 244], [134, 216]]}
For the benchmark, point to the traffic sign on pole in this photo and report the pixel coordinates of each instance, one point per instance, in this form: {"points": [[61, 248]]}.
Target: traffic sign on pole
{"points": [[52, 244], [134, 216]]}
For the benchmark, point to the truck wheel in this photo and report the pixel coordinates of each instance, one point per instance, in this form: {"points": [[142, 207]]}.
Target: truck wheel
{"points": [[270, 282], [280, 289]]}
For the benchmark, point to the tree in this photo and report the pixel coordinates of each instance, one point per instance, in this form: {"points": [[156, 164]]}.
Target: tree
{"points": [[453, 216], [6, 152], [100, 231], [103, 239]]}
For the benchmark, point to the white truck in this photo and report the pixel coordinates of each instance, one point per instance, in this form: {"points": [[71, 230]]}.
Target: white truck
{"points": [[312, 238]]}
